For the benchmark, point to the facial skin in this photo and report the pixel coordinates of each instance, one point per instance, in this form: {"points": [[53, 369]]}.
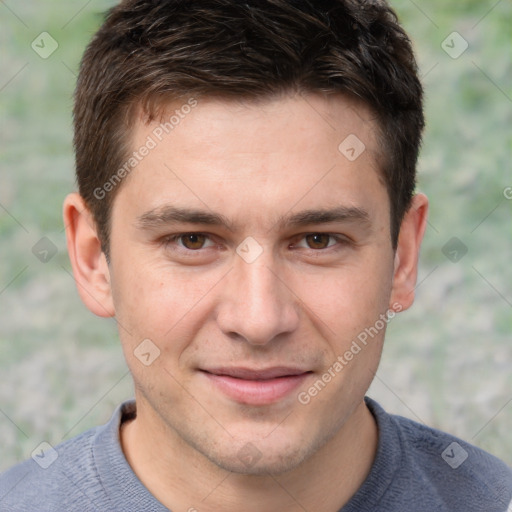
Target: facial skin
{"points": [[264, 170]]}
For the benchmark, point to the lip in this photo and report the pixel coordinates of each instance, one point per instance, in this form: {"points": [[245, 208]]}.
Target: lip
{"points": [[256, 386]]}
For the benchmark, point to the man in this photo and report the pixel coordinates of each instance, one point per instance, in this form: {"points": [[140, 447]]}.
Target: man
{"points": [[246, 210]]}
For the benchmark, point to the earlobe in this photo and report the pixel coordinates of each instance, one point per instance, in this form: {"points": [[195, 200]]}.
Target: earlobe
{"points": [[88, 261], [407, 253]]}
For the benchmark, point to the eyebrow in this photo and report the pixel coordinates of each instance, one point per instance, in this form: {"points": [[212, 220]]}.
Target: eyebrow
{"points": [[325, 216], [170, 214], [165, 215]]}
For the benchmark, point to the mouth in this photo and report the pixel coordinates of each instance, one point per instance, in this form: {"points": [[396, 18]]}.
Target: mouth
{"points": [[256, 386]]}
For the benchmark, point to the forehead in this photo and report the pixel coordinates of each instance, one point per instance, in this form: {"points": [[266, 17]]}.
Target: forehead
{"points": [[274, 153], [335, 114]]}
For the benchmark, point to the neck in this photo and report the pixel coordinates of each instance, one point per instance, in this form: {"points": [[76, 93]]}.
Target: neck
{"points": [[325, 482]]}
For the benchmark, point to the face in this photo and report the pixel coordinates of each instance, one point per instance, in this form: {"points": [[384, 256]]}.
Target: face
{"points": [[252, 251]]}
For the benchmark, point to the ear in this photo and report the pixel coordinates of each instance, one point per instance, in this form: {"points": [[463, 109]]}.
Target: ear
{"points": [[407, 253], [88, 261]]}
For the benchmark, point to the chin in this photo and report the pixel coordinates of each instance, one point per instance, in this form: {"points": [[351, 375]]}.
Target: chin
{"points": [[260, 457], [262, 465]]}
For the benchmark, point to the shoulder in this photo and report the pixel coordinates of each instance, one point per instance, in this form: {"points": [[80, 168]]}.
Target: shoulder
{"points": [[47, 480], [434, 449], [65, 477], [462, 476]]}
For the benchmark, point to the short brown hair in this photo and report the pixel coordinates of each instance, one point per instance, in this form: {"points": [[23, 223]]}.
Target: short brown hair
{"points": [[147, 53]]}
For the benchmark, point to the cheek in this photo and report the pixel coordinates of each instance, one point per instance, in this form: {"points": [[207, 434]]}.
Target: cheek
{"points": [[350, 298], [161, 304]]}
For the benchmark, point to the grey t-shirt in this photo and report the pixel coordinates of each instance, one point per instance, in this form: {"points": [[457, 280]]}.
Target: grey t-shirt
{"points": [[416, 469]]}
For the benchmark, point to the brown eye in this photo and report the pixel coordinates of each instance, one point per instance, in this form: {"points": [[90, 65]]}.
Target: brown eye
{"points": [[318, 240], [193, 241]]}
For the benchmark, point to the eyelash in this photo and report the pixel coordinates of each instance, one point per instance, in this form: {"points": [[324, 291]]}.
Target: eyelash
{"points": [[339, 240], [174, 240]]}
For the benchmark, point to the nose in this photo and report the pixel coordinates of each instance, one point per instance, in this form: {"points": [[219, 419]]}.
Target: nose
{"points": [[257, 305]]}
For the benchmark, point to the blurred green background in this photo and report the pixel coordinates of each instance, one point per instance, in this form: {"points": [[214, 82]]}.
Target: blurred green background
{"points": [[447, 362]]}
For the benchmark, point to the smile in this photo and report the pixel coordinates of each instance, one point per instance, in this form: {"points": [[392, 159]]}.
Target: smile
{"points": [[256, 387]]}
